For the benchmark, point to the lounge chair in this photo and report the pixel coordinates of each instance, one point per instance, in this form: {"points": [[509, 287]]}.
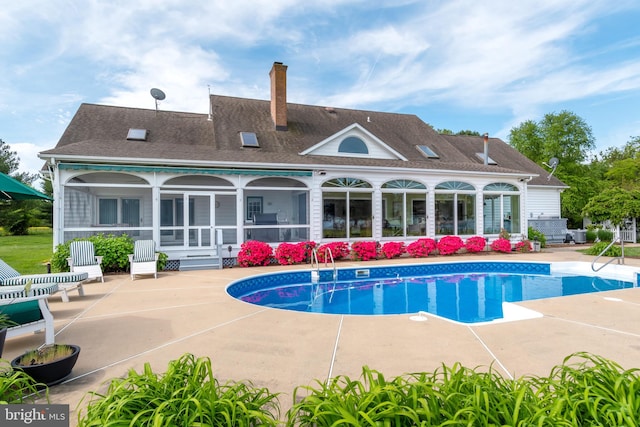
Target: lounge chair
{"points": [[41, 284], [144, 259], [83, 259], [31, 314]]}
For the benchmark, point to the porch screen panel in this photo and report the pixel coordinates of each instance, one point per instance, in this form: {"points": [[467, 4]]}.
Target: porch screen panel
{"points": [[77, 208], [514, 212], [107, 211], [199, 221], [502, 208], [466, 214], [225, 217], [393, 222], [171, 220], [360, 215], [417, 205], [334, 215], [492, 212], [445, 213], [131, 212]]}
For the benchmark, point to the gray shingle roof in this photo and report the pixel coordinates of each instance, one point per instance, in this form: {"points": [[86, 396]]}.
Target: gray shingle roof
{"points": [[98, 133]]}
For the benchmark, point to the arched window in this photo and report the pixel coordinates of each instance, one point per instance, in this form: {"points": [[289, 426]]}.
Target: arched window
{"points": [[352, 144], [347, 211], [455, 208], [347, 182], [501, 208], [404, 208]]}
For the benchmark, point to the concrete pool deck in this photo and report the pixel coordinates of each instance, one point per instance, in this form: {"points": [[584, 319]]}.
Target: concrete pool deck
{"points": [[121, 324]]}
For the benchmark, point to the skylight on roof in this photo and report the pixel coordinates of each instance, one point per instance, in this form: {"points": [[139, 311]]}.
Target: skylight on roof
{"points": [[137, 134], [428, 152], [490, 161], [249, 139]]}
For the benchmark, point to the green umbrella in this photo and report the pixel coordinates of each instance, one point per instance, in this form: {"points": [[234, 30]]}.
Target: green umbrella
{"points": [[10, 189]]}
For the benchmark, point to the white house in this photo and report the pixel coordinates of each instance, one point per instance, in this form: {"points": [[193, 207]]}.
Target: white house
{"points": [[275, 171]]}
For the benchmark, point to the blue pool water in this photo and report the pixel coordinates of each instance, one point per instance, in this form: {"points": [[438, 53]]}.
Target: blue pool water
{"points": [[463, 292]]}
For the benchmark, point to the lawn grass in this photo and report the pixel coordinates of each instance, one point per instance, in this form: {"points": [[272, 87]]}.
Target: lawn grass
{"points": [[629, 251], [28, 254]]}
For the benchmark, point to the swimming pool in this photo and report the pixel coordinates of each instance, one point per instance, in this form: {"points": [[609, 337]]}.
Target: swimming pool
{"points": [[466, 292]]}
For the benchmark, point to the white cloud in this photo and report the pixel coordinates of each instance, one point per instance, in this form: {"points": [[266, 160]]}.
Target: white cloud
{"points": [[498, 55]]}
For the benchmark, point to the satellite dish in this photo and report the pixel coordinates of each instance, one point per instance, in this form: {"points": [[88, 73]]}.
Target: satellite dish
{"points": [[157, 94], [553, 164]]}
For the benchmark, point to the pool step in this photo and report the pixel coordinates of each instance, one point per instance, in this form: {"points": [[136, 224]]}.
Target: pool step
{"points": [[200, 263]]}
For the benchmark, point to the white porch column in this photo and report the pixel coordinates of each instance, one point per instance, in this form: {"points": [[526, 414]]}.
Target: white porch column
{"points": [[480, 212], [155, 210], [431, 212], [58, 206], [240, 215]]}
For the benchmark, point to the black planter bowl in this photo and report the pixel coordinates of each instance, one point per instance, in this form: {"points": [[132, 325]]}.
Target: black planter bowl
{"points": [[50, 373]]}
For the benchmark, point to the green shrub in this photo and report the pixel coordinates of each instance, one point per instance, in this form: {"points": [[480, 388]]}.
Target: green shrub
{"points": [[597, 249], [604, 235], [162, 260], [187, 394], [591, 235], [115, 251], [533, 234]]}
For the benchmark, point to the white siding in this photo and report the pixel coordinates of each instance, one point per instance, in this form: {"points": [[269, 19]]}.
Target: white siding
{"points": [[543, 202]]}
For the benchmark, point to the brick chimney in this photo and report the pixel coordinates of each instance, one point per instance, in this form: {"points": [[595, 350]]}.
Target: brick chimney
{"points": [[278, 76]]}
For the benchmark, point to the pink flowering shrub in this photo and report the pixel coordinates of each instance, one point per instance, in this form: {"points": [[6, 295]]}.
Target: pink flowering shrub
{"points": [[289, 253], [339, 250], [501, 245], [364, 251], [523, 246], [475, 244], [393, 249], [253, 252], [308, 248], [421, 248], [449, 245]]}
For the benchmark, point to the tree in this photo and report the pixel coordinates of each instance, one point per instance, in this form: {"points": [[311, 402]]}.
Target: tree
{"points": [[564, 135], [614, 204], [460, 132], [619, 166], [17, 216], [568, 138], [9, 160]]}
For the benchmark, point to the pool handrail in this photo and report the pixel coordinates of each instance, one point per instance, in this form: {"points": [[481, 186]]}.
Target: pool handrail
{"points": [[620, 258], [315, 274], [314, 257]]}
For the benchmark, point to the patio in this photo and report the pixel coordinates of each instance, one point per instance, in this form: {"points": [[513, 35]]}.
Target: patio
{"points": [[121, 324]]}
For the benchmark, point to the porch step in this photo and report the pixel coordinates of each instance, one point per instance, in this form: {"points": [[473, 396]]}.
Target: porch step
{"points": [[199, 263]]}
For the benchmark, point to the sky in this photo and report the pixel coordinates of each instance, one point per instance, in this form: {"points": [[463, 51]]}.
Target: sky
{"points": [[485, 66]]}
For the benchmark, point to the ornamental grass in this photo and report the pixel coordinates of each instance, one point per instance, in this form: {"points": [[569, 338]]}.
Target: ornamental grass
{"points": [[187, 394], [584, 390]]}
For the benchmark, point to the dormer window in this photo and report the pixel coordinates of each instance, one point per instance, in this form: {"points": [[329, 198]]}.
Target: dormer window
{"points": [[353, 145], [249, 139], [137, 134]]}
